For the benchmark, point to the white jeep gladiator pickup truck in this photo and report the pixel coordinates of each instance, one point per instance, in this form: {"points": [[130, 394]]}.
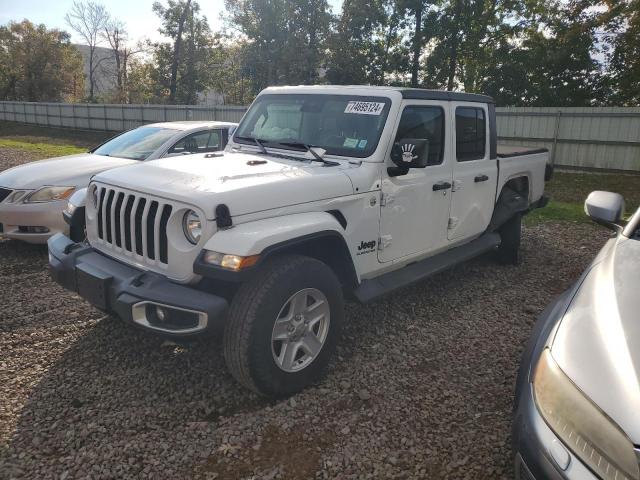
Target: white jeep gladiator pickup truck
{"points": [[321, 192]]}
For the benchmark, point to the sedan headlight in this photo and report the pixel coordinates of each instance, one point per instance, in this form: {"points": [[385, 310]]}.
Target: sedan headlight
{"points": [[192, 226], [581, 425], [49, 194]]}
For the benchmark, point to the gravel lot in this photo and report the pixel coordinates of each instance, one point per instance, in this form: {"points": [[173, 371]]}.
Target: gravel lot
{"points": [[422, 386], [10, 157]]}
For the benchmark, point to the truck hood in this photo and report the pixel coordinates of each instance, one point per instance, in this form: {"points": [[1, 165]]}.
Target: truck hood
{"points": [[246, 183], [72, 170], [598, 341]]}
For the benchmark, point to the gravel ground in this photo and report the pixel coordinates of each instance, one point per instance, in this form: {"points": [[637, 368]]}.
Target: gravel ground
{"points": [[422, 386], [10, 157]]}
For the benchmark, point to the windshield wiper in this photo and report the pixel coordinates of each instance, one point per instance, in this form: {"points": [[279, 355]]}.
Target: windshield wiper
{"points": [[257, 141], [310, 149]]}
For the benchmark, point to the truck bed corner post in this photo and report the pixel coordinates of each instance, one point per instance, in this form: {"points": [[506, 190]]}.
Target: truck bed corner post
{"points": [[555, 137]]}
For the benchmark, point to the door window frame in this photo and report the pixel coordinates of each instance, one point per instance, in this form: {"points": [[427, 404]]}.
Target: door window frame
{"points": [[487, 133], [209, 131], [444, 110]]}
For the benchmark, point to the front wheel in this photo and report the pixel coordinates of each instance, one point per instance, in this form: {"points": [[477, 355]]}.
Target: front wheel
{"points": [[283, 325]]}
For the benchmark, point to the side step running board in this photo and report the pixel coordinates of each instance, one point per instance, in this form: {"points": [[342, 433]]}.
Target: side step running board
{"points": [[370, 290]]}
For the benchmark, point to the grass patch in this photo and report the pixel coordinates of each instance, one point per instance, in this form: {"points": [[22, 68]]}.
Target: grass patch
{"points": [[55, 136], [45, 142], [44, 150], [573, 187], [569, 190], [557, 212]]}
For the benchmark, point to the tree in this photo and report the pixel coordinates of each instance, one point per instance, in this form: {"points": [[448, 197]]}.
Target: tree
{"points": [[173, 20], [623, 22], [38, 65], [116, 35], [358, 45], [554, 66], [143, 84], [185, 67], [287, 38], [89, 19]]}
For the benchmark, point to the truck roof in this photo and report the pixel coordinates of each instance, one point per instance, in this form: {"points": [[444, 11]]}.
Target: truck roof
{"points": [[408, 93]]}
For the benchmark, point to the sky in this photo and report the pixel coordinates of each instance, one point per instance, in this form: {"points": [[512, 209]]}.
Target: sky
{"points": [[137, 14]]}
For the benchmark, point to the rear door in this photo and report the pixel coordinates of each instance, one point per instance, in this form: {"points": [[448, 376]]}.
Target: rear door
{"points": [[415, 208], [475, 173]]}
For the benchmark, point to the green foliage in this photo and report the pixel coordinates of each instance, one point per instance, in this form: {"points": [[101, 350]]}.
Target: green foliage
{"points": [[522, 52], [38, 65], [557, 212], [196, 58], [286, 39], [363, 42], [624, 25]]}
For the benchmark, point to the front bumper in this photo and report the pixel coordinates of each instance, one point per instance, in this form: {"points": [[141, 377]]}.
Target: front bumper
{"points": [[48, 215], [132, 294]]}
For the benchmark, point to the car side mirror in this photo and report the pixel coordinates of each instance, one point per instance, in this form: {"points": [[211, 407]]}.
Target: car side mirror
{"points": [[410, 153], [605, 208]]}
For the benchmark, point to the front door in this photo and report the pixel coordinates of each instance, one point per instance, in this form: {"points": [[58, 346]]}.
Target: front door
{"points": [[415, 207], [475, 173]]}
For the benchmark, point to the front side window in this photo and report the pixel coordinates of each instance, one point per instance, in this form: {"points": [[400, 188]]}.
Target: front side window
{"points": [[471, 134], [200, 142], [344, 125], [136, 144], [424, 123]]}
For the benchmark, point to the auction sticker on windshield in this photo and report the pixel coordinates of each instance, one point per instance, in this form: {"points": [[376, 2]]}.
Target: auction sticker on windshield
{"points": [[364, 108]]}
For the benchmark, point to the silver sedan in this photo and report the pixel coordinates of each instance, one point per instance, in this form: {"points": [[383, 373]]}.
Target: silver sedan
{"points": [[577, 412], [33, 196]]}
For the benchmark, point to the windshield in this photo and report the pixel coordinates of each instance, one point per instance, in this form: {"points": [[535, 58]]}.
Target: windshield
{"points": [[344, 125], [136, 144]]}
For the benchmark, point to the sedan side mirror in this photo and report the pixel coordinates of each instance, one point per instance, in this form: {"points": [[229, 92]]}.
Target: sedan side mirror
{"points": [[410, 153], [605, 208]]}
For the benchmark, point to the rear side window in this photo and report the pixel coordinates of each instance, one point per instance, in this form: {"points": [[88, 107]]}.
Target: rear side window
{"points": [[471, 134], [201, 142], [424, 123]]}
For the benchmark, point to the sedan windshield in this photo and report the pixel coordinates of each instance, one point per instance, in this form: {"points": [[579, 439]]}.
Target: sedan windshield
{"points": [[344, 125], [136, 144]]}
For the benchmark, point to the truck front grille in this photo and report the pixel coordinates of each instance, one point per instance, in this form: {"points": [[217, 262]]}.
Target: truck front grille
{"points": [[133, 223]]}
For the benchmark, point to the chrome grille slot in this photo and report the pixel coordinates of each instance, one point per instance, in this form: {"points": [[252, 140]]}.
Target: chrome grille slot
{"points": [[132, 223]]}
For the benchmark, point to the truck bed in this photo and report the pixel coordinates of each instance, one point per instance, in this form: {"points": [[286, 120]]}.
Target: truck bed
{"points": [[508, 151], [517, 161]]}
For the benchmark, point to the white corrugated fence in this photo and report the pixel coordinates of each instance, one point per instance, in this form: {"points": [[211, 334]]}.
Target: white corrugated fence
{"points": [[585, 138]]}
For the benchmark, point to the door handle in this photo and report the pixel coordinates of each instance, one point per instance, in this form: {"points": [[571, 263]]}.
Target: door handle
{"points": [[441, 186], [481, 178]]}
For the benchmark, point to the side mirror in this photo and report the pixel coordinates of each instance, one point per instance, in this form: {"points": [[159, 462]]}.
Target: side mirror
{"points": [[605, 208], [410, 153]]}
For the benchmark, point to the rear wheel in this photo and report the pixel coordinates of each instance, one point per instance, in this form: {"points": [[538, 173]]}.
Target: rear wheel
{"points": [[284, 325], [510, 235]]}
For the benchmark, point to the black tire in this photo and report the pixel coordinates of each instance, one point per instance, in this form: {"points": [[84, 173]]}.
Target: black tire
{"points": [[253, 313], [511, 235]]}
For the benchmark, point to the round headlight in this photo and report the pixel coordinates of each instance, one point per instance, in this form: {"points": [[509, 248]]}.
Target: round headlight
{"points": [[192, 226]]}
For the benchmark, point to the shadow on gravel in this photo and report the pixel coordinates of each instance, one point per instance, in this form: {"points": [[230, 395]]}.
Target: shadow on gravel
{"points": [[119, 394], [421, 387]]}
